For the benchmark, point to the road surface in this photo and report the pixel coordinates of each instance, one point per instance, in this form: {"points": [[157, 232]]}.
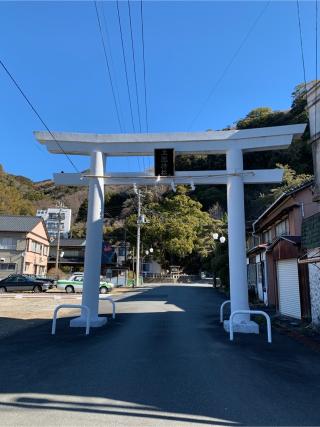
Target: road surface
{"points": [[165, 360]]}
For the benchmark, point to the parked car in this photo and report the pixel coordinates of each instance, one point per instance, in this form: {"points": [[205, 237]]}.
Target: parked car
{"points": [[75, 284], [20, 282], [49, 280]]}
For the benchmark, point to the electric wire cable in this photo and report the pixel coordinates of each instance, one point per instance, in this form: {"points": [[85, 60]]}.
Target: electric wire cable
{"points": [[144, 66], [112, 62], [316, 94], [144, 73], [301, 46], [108, 67], [125, 64], [135, 72], [229, 64], [37, 114], [134, 64]]}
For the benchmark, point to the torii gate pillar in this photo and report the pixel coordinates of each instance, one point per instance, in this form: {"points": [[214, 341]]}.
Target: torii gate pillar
{"points": [[237, 243], [92, 259]]}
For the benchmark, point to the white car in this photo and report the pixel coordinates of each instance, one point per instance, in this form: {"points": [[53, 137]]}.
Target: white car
{"points": [[75, 284]]}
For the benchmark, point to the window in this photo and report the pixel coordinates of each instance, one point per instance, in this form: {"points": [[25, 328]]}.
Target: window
{"points": [[73, 253], [42, 270], [53, 216], [7, 266], [282, 228], [8, 243], [35, 247], [45, 250], [267, 236], [122, 251], [52, 225]]}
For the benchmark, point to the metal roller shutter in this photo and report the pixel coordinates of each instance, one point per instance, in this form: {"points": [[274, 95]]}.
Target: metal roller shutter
{"points": [[288, 288]]}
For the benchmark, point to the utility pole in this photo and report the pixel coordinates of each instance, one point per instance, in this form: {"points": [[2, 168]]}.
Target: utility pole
{"points": [[138, 239], [60, 206]]}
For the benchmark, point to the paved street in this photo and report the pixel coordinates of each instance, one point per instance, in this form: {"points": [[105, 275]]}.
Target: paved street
{"points": [[165, 360]]}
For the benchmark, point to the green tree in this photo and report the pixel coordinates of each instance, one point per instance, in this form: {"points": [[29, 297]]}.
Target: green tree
{"points": [[78, 230], [177, 229]]}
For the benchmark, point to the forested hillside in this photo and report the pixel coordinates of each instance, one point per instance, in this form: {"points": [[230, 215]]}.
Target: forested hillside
{"points": [[21, 196]]}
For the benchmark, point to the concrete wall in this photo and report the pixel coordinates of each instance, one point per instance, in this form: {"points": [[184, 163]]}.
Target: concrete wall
{"points": [[314, 284], [313, 98]]}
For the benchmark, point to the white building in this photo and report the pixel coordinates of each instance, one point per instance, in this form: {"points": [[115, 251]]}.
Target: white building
{"points": [[51, 219]]}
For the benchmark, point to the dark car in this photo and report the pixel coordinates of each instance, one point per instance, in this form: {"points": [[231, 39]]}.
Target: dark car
{"points": [[19, 282], [44, 279]]}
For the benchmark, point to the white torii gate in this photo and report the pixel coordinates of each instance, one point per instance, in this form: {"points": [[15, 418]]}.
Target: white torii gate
{"points": [[233, 143]]}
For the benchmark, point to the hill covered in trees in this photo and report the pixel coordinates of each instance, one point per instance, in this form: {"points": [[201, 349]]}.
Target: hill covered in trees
{"points": [[21, 196]]}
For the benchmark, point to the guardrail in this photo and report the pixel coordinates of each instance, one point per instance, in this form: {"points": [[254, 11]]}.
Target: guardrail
{"points": [[54, 320], [221, 309], [113, 305], [259, 312]]}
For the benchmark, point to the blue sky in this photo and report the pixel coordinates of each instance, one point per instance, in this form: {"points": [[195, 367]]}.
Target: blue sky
{"points": [[54, 50]]}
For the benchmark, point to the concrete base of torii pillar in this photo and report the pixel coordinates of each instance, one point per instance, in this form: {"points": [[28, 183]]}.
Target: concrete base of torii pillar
{"points": [[244, 327]]}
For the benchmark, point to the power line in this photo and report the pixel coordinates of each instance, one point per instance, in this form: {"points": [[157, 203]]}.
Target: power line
{"points": [[315, 109], [134, 64], [301, 46], [226, 69], [144, 73], [316, 39], [108, 66], [112, 66], [37, 114], [125, 64], [135, 73], [144, 66]]}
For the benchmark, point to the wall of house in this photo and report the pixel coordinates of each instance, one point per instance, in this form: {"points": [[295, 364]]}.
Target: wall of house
{"points": [[314, 284], [36, 263], [271, 281], [296, 207], [12, 255], [313, 97]]}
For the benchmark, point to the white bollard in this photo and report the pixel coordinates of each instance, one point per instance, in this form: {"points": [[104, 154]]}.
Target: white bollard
{"points": [[259, 312], [221, 309], [85, 309], [113, 305]]}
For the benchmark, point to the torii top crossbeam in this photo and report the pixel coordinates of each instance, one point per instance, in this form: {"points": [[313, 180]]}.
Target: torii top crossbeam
{"points": [[211, 142]]}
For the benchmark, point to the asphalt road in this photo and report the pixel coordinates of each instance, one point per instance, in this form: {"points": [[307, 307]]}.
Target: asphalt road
{"points": [[165, 360]]}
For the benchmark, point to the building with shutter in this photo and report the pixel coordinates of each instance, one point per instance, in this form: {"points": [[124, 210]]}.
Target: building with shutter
{"points": [[274, 269]]}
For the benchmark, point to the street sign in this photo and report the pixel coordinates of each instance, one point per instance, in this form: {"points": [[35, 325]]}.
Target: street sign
{"points": [[164, 161]]}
